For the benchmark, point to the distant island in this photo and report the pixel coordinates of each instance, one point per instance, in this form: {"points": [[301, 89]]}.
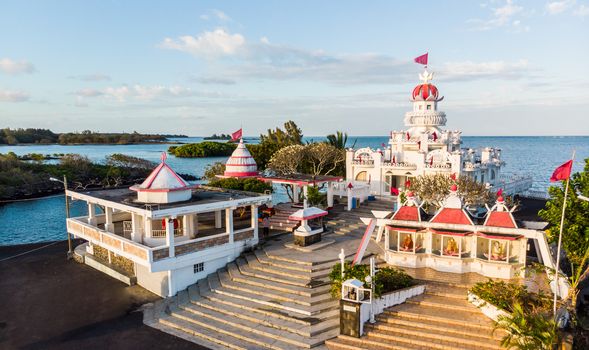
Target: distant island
{"points": [[218, 137], [45, 136]]}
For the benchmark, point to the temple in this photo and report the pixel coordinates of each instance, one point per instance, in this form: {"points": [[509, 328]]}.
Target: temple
{"points": [[164, 232], [425, 148]]}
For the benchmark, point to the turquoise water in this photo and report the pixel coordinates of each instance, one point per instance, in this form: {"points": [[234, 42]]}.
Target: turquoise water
{"points": [[44, 219]]}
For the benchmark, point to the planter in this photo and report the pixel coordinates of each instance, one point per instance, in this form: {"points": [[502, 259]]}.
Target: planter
{"points": [[490, 310], [387, 300]]}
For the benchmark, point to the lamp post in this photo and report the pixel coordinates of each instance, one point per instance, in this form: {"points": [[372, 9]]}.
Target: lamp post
{"points": [[67, 213]]}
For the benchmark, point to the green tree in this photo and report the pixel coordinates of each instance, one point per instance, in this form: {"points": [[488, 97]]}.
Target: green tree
{"points": [[527, 330], [433, 189], [212, 170], [339, 140], [275, 140]]}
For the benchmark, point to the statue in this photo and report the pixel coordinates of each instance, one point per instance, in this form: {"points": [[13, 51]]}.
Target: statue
{"points": [[451, 247], [498, 251], [407, 243]]}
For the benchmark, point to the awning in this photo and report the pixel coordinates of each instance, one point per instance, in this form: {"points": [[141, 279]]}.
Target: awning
{"points": [[452, 233], [498, 236], [307, 214]]}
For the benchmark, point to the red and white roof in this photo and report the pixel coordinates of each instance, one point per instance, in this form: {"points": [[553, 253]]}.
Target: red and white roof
{"points": [[500, 216], [425, 92], [241, 163], [410, 211], [307, 214], [452, 211]]}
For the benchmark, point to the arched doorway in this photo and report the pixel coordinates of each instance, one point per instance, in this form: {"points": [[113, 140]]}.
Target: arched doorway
{"points": [[362, 176]]}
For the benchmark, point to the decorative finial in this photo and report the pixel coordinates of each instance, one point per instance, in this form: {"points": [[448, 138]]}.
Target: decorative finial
{"points": [[163, 157], [426, 76]]}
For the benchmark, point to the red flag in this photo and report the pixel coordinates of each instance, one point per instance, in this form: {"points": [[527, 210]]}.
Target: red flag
{"points": [[408, 136], [500, 192], [237, 135], [350, 185], [407, 183], [563, 172], [394, 191], [453, 176], [435, 135], [421, 59]]}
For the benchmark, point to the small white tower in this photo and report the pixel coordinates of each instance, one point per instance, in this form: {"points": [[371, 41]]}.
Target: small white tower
{"points": [[241, 163]]}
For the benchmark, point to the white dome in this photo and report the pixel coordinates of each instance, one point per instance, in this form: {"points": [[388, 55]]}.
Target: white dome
{"points": [[241, 163]]}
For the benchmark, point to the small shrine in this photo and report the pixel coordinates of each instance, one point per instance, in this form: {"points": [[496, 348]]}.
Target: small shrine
{"points": [[241, 164], [163, 185]]}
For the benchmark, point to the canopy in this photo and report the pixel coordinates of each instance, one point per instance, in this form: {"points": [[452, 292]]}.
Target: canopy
{"points": [[307, 214]]}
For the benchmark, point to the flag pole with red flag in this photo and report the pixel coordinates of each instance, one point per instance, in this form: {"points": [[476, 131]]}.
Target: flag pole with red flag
{"points": [[237, 135], [561, 173]]}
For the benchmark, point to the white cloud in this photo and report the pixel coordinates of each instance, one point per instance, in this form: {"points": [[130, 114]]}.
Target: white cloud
{"points": [[214, 13], [88, 93], [502, 16], [13, 96], [208, 44], [581, 11], [143, 93], [13, 67], [556, 7], [493, 69], [91, 77]]}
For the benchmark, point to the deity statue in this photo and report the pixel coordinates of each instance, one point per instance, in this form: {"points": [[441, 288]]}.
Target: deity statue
{"points": [[451, 247], [497, 251], [407, 243]]}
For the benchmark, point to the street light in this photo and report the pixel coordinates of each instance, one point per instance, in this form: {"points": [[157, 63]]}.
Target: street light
{"points": [[67, 213]]}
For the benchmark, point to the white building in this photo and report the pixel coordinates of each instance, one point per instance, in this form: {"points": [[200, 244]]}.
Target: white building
{"points": [[423, 148], [168, 235]]}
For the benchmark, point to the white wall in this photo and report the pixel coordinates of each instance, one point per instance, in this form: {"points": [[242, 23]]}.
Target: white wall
{"points": [[155, 282]]}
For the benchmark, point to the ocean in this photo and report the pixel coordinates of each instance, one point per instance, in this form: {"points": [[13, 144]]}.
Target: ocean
{"points": [[43, 219]]}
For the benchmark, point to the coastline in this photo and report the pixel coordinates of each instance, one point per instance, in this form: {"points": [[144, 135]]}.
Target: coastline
{"points": [[49, 302]]}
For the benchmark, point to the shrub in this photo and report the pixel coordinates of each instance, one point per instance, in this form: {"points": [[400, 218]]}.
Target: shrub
{"points": [[527, 330], [203, 149], [505, 295], [249, 184], [386, 280], [212, 170]]}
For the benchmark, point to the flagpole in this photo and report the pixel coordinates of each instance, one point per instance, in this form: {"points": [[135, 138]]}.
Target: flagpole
{"points": [[564, 205]]}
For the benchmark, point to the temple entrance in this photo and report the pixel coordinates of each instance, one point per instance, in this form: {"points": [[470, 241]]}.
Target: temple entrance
{"points": [[390, 181]]}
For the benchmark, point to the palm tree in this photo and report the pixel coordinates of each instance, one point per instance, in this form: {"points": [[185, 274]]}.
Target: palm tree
{"points": [[339, 140], [527, 330]]}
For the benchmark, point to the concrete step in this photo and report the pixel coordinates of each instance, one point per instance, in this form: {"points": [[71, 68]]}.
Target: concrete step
{"points": [[458, 318], [396, 339], [446, 293], [315, 271], [345, 342], [228, 283], [450, 304], [254, 263], [427, 337], [217, 287], [276, 286], [267, 319], [267, 274]]}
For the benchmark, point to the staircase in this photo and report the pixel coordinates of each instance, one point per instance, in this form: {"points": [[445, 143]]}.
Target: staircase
{"points": [[345, 222], [440, 319], [280, 222], [260, 301]]}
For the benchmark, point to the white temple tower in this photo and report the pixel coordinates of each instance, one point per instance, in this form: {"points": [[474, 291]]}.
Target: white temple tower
{"points": [[241, 163]]}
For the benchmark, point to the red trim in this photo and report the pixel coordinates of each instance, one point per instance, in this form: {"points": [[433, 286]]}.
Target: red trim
{"points": [[250, 164], [452, 216], [139, 189], [407, 213], [401, 229], [241, 173], [153, 174], [240, 157], [364, 243], [500, 219], [507, 238], [452, 233], [180, 180], [308, 217]]}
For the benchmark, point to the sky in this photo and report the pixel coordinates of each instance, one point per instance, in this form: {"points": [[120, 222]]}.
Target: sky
{"points": [[505, 67]]}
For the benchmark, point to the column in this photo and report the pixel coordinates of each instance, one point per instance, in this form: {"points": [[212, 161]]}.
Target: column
{"points": [[171, 286], [92, 213], [147, 227], [229, 223], [194, 226], [136, 228], [305, 191], [349, 191], [330, 195], [255, 221], [187, 225], [295, 193], [218, 223], [108, 224], [170, 236]]}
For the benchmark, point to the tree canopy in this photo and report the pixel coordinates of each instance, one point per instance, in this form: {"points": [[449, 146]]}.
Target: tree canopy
{"points": [[434, 188]]}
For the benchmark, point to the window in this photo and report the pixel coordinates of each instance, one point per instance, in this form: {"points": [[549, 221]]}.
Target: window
{"points": [[429, 106], [200, 267]]}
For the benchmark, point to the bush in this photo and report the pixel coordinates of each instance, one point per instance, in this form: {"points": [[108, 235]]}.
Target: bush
{"points": [[212, 170], [386, 280], [505, 295], [249, 184], [203, 149]]}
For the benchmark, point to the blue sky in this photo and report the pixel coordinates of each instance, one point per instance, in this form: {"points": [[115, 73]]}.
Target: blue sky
{"points": [[504, 67]]}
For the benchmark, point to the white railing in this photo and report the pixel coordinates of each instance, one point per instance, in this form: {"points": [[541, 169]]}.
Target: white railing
{"points": [[400, 165], [162, 233]]}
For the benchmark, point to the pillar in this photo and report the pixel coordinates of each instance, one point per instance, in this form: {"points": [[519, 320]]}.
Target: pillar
{"points": [[171, 286], [254, 210], [108, 224], [330, 195], [218, 223], [229, 223], [194, 226], [136, 229], [349, 191], [147, 226], [295, 193], [170, 236], [305, 201], [91, 213], [187, 225]]}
